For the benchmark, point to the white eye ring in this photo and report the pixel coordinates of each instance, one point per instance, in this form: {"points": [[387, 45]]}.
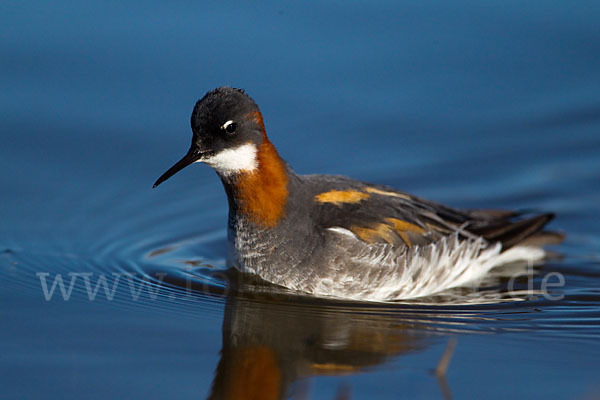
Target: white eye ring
{"points": [[226, 124]]}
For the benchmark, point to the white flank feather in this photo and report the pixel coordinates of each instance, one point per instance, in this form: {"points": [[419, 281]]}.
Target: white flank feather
{"points": [[419, 271]]}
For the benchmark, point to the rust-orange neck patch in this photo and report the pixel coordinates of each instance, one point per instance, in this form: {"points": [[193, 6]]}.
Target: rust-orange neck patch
{"points": [[262, 194]]}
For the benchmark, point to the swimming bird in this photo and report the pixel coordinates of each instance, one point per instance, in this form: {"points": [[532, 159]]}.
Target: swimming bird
{"points": [[327, 235]]}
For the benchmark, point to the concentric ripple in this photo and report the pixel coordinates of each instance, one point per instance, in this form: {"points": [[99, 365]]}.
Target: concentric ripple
{"points": [[162, 259]]}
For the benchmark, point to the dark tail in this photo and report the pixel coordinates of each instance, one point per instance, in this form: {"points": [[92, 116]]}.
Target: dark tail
{"points": [[526, 231]]}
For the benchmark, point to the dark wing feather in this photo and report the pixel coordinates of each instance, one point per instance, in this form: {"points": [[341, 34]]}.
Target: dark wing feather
{"points": [[386, 215]]}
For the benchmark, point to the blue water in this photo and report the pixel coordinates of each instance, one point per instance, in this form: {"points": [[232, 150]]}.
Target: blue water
{"points": [[467, 103]]}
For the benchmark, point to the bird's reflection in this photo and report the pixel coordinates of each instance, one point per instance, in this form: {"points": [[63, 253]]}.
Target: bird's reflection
{"points": [[275, 340], [271, 346]]}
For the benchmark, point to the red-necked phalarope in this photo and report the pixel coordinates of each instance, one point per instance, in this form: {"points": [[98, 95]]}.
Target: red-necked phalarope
{"points": [[334, 236]]}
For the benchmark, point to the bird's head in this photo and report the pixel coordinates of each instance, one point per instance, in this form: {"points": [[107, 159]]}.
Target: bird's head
{"points": [[228, 130]]}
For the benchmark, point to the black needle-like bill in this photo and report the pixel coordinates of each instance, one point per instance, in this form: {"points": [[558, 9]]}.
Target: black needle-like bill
{"points": [[192, 156]]}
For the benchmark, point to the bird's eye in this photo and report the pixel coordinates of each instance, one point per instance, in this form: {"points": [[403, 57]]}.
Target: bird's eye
{"points": [[229, 127]]}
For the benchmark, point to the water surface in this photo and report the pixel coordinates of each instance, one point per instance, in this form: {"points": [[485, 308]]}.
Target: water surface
{"points": [[470, 104]]}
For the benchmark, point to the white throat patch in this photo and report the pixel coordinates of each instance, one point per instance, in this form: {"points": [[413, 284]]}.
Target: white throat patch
{"points": [[240, 159]]}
